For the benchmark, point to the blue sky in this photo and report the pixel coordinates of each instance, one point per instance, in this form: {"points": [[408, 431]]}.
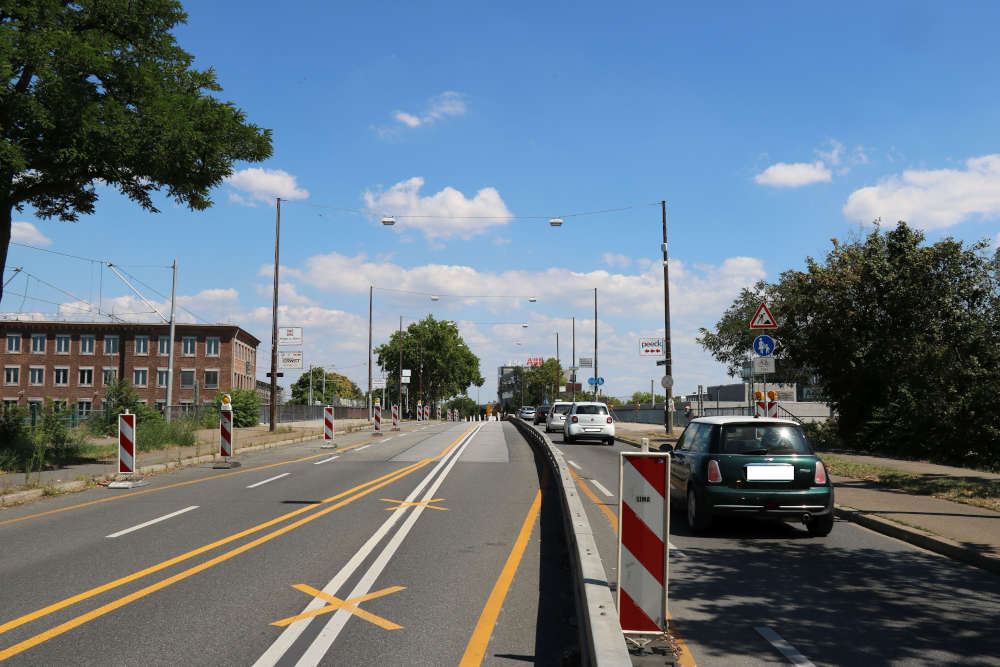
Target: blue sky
{"points": [[767, 129]]}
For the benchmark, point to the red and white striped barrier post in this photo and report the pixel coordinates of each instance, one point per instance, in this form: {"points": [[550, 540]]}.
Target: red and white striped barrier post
{"points": [[395, 417], [126, 444], [427, 413], [643, 562], [327, 428], [378, 418], [225, 432], [420, 412]]}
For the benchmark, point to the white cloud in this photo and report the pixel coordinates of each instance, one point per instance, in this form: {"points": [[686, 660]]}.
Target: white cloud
{"points": [[834, 154], [25, 232], [932, 199], [443, 215], [615, 259], [286, 291], [448, 103], [783, 175], [263, 185]]}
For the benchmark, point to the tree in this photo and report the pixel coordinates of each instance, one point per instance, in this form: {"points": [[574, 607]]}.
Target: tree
{"points": [[99, 91], [246, 406], [644, 397], [442, 364], [466, 406], [337, 386]]}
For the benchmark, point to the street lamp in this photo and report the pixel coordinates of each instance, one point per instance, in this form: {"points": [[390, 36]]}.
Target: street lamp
{"points": [[388, 221], [556, 222]]}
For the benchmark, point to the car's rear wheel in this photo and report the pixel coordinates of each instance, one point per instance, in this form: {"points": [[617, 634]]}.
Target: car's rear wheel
{"points": [[821, 525], [610, 442], [698, 520]]}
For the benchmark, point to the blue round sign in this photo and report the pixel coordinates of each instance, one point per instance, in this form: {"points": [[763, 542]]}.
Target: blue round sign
{"points": [[591, 381], [600, 381], [763, 346]]}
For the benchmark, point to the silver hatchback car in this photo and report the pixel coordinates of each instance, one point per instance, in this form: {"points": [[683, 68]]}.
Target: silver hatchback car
{"points": [[589, 421], [556, 418]]}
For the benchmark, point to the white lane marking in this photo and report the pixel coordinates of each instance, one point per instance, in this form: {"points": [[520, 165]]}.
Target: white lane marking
{"points": [[292, 632], [362, 447], [600, 487], [572, 463], [783, 646], [270, 479], [150, 523], [327, 460]]}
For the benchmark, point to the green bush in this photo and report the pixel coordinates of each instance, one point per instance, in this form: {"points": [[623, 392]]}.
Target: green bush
{"points": [[824, 436], [159, 434], [246, 406]]}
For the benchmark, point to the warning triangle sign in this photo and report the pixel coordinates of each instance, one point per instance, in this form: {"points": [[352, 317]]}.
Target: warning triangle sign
{"points": [[763, 319]]}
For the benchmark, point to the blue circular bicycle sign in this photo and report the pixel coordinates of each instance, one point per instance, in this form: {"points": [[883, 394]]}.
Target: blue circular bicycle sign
{"points": [[763, 346]]}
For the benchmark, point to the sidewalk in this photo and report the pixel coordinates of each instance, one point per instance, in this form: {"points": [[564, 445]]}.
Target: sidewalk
{"points": [[963, 532], [18, 487]]}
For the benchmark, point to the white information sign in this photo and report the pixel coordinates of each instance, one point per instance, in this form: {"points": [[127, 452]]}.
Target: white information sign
{"points": [[289, 359], [290, 336], [763, 365], [650, 346], [586, 362], [378, 383]]}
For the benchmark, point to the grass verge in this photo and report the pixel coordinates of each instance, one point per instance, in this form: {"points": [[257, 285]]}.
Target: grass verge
{"points": [[978, 492]]}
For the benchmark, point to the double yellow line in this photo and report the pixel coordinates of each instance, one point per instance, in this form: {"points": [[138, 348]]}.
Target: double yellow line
{"points": [[332, 503]]}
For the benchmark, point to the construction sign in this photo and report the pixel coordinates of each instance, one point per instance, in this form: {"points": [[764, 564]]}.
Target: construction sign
{"points": [[763, 319]]}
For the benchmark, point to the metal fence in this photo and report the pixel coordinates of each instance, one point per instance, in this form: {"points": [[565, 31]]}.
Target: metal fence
{"points": [[301, 413]]}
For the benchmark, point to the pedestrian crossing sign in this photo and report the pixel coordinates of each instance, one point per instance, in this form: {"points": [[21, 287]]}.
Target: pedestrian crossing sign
{"points": [[763, 319]]}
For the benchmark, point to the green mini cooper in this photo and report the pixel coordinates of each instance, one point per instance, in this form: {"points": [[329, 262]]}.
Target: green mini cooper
{"points": [[745, 466]]}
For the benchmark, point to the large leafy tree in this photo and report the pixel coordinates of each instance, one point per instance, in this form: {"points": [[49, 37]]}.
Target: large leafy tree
{"points": [[336, 386], [98, 91], [441, 364]]}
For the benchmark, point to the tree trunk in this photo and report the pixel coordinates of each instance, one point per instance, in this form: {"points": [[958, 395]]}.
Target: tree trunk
{"points": [[6, 215]]}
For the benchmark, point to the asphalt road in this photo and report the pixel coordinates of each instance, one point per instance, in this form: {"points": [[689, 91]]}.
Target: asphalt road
{"points": [[853, 598], [442, 545]]}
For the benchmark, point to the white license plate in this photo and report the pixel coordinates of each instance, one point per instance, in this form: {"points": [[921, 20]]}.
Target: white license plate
{"points": [[592, 430], [764, 472]]}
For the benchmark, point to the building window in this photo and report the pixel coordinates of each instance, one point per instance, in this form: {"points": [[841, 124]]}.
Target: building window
{"points": [[62, 344], [161, 377], [35, 406], [38, 343], [12, 375], [83, 407], [164, 343], [142, 345], [9, 404], [59, 406], [36, 375], [111, 345], [13, 343], [86, 377], [211, 379], [109, 376], [212, 346], [139, 377], [187, 379], [188, 346], [60, 377], [160, 406], [86, 344]]}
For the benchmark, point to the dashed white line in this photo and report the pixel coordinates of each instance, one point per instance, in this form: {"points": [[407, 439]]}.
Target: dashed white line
{"points": [[600, 487], [363, 447], [572, 463], [270, 479], [150, 523], [783, 646], [327, 460]]}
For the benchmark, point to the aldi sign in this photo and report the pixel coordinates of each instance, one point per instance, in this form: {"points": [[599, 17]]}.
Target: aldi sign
{"points": [[650, 346]]}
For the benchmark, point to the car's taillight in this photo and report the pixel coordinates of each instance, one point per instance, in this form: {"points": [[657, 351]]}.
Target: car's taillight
{"points": [[609, 420], [575, 420], [714, 474], [820, 473]]}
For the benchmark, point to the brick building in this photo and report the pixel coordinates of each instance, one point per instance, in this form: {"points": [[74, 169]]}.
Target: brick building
{"points": [[73, 362]]}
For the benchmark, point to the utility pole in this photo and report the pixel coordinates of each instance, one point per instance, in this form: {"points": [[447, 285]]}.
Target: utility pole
{"points": [[274, 325], [668, 360], [595, 344], [310, 385], [170, 353], [324, 385], [573, 374], [558, 369], [400, 388], [371, 289]]}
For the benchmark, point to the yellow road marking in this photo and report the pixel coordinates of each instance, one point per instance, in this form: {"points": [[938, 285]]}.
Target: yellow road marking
{"points": [[107, 608], [685, 659], [174, 486], [418, 503], [347, 605], [476, 649]]}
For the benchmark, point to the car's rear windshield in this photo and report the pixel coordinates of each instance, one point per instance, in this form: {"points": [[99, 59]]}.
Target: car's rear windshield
{"points": [[763, 439], [562, 409], [591, 410]]}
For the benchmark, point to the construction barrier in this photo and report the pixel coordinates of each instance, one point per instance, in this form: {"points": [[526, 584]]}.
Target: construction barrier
{"points": [[328, 427], [395, 417], [420, 412], [644, 527], [126, 444], [225, 432], [427, 413], [378, 419]]}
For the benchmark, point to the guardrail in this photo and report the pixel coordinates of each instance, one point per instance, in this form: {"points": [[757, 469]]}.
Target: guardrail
{"points": [[602, 640]]}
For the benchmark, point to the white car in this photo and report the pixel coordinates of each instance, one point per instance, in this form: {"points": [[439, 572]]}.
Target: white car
{"points": [[556, 418], [589, 421], [526, 412]]}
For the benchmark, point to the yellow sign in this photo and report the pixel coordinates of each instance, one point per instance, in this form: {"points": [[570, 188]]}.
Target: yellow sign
{"points": [[347, 605]]}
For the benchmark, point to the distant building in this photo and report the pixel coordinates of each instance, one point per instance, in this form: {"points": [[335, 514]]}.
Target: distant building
{"points": [[74, 362], [264, 390]]}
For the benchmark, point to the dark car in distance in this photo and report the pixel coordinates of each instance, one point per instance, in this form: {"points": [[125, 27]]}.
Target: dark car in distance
{"points": [[754, 467], [541, 412]]}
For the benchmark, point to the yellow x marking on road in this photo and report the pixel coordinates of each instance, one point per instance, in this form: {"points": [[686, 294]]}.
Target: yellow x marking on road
{"points": [[422, 503], [348, 605]]}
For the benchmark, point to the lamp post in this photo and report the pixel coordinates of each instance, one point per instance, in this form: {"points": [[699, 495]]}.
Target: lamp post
{"points": [[274, 324], [667, 357]]}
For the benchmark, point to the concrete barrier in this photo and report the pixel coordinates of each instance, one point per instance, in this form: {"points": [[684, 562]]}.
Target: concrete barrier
{"points": [[602, 641]]}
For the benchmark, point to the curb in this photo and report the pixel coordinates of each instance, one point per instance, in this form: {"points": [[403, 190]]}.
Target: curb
{"points": [[920, 538]]}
